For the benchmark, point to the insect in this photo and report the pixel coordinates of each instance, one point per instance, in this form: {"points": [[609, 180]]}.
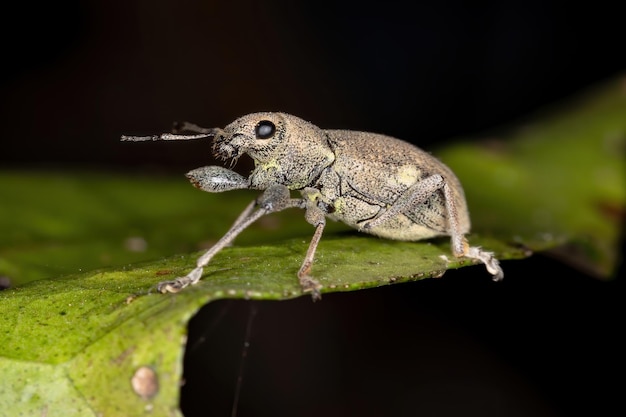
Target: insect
{"points": [[374, 183]]}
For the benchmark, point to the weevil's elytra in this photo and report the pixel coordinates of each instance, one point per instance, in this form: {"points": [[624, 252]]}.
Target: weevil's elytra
{"points": [[372, 182]]}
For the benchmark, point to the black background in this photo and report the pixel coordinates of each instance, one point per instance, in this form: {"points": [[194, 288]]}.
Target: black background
{"points": [[546, 341], [78, 74]]}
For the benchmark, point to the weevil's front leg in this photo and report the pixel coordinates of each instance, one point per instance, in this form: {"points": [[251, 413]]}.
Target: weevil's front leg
{"points": [[194, 276], [273, 199]]}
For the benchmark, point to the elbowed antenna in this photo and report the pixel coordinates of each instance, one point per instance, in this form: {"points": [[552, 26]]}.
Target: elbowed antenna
{"points": [[180, 127], [164, 136], [200, 133]]}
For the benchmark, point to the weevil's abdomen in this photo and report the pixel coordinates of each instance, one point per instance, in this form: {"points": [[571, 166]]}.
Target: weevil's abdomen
{"points": [[371, 171]]}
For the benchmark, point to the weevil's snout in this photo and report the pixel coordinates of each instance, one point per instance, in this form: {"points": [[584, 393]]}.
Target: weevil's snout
{"points": [[225, 146]]}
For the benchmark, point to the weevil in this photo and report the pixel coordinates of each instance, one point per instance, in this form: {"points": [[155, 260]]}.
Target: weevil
{"points": [[374, 183]]}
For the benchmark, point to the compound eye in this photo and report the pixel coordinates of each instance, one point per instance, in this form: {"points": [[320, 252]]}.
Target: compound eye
{"points": [[265, 129]]}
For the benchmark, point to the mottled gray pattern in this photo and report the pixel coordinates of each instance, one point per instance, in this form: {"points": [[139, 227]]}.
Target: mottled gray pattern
{"points": [[374, 183]]}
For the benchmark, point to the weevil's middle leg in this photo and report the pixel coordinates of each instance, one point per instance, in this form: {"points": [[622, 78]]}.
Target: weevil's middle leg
{"points": [[317, 218], [272, 200]]}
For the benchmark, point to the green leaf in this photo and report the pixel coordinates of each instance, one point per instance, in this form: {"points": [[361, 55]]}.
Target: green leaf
{"points": [[71, 341], [560, 176]]}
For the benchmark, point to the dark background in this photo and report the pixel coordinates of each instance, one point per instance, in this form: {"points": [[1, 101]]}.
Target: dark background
{"points": [[546, 341], [80, 73]]}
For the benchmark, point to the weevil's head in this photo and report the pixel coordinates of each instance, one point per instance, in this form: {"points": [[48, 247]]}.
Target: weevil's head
{"points": [[286, 149]]}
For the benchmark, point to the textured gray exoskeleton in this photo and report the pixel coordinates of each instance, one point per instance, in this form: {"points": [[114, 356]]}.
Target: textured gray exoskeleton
{"points": [[374, 183]]}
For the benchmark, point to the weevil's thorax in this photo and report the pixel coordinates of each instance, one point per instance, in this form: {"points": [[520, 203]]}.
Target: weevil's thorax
{"points": [[286, 149]]}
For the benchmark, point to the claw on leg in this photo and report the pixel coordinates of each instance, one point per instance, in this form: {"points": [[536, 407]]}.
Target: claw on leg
{"points": [[307, 282], [492, 264], [310, 285], [178, 284]]}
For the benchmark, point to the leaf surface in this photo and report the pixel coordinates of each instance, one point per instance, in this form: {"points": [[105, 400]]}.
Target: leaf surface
{"points": [[84, 251]]}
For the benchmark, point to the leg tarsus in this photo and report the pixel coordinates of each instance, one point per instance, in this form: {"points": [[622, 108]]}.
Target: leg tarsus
{"points": [[178, 284], [307, 282], [490, 261], [311, 285]]}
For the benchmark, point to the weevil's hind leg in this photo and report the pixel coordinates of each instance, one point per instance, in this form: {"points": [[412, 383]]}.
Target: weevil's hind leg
{"points": [[272, 200], [491, 263], [460, 246], [416, 194]]}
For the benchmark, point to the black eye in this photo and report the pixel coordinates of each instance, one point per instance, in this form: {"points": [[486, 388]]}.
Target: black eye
{"points": [[265, 129]]}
